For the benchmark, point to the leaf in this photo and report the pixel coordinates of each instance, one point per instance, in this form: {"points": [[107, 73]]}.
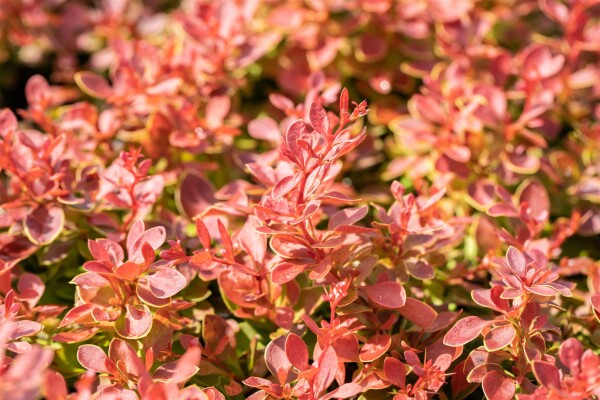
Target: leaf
{"points": [[497, 387], [285, 185], [92, 358], [570, 353], [93, 84], [106, 250], [516, 261], [166, 282], [135, 323], [395, 372], [417, 312], [277, 361], [347, 216], [125, 358], [264, 129], [296, 352], [24, 328], [319, 119], [195, 195], [286, 271], [345, 391], [77, 313], [203, 234], [43, 224], [387, 294], [375, 347], [464, 331], [182, 370], [226, 241], [546, 374], [500, 337], [328, 365]]}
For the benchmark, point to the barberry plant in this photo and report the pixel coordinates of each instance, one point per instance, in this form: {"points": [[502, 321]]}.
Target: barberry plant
{"points": [[192, 206]]}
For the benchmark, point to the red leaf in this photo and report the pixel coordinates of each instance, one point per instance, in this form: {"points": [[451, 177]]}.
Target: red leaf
{"points": [[203, 234], [387, 294], [499, 337], [226, 240], [497, 387], [417, 312], [92, 358], [347, 216], [395, 372], [182, 370], [328, 365], [166, 282], [285, 185], [286, 271], [277, 360], [135, 322], [345, 391], [125, 358], [296, 352], [546, 374], [319, 119], [264, 129], [464, 331], [516, 261], [77, 313], [377, 346], [93, 84], [44, 224], [570, 353], [195, 195]]}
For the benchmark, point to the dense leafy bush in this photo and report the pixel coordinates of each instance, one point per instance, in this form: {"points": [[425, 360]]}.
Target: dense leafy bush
{"points": [[192, 206]]}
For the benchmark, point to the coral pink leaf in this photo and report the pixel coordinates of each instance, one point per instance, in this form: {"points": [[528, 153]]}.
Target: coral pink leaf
{"points": [[264, 129], [417, 312], [499, 337], [387, 294], [128, 271], [277, 360], [296, 351], [226, 241], [44, 224], [345, 391], [286, 271], [328, 365], [93, 84], [166, 282], [464, 331], [92, 358], [195, 195], [155, 237], [24, 328], [546, 374], [285, 185], [570, 353], [377, 346], [516, 261], [395, 372], [106, 250], [347, 216], [135, 322], [595, 300], [184, 369], [125, 358], [319, 119], [498, 387], [77, 313], [203, 234]]}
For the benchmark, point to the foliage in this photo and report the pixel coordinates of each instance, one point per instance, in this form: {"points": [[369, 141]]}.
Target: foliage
{"points": [[192, 206]]}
